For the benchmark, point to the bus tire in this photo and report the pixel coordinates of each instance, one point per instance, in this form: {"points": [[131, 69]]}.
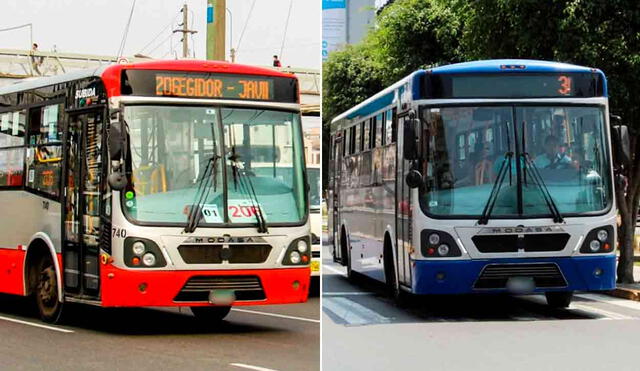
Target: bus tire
{"points": [[559, 299], [399, 296], [210, 314], [46, 290], [346, 255]]}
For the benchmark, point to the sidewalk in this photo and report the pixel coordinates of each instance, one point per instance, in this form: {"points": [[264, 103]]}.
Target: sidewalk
{"points": [[630, 291]]}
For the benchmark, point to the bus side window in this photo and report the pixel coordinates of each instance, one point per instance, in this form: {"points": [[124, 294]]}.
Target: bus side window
{"points": [[44, 153], [377, 131], [358, 136], [392, 123], [366, 135], [12, 158]]}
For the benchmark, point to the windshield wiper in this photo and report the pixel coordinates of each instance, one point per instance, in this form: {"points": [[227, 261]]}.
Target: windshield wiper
{"points": [[246, 186], [537, 180], [497, 185], [202, 193]]}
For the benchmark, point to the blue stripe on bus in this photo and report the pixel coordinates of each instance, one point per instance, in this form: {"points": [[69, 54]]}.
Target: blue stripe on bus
{"points": [[460, 275]]}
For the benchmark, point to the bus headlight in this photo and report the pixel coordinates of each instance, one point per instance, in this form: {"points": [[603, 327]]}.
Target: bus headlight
{"points": [[603, 235], [302, 246], [149, 259], [438, 244], [598, 240], [142, 252], [138, 248], [294, 257], [434, 239], [298, 252], [443, 249]]}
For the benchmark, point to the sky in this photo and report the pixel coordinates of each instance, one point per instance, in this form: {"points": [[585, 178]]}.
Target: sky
{"points": [[97, 26]]}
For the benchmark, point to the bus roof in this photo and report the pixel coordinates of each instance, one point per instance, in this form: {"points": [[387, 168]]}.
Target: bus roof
{"points": [[386, 96], [111, 73]]}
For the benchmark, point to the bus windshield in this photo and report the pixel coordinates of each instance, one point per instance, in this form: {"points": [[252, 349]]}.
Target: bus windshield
{"points": [[171, 147], [564, 145]]}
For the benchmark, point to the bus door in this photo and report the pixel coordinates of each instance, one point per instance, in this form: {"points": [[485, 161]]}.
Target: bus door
{"points": [[83, 203], [335, 197], [403, 210]]}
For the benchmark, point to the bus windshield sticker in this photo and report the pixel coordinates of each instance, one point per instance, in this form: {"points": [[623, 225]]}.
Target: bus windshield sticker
{"points": [[211, 214], [242, 211]]}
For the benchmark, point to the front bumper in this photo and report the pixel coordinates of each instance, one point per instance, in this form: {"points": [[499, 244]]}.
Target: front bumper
{"points": [[124, 287], [460, 276]]}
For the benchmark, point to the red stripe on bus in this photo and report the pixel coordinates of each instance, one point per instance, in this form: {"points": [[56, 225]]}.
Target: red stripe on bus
{"points": [[112, 74], [122, 287], [12, 271]]}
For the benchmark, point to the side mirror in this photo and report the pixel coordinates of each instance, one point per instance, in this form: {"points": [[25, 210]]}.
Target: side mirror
{"points": [[622, 144], [410, 151], [414, 179], [117, 181], [116, 140]]}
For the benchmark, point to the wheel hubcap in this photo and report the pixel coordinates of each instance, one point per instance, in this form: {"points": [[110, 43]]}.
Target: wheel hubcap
{"points": [[47, 286]]}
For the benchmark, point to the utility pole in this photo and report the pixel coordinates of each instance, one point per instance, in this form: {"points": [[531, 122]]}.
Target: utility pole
{"points": [[185, 31], [216, 25]]}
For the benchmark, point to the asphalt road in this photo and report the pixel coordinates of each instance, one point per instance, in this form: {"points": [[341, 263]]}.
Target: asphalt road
{"points": [[284, 337], [363, 329]]}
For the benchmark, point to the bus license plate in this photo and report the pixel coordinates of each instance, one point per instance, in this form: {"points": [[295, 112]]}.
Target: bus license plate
{"points": [[222, 297], [315, 266]]}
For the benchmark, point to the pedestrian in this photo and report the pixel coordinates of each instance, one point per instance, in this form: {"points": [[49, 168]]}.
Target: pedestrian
{"points": [[276, 61]]}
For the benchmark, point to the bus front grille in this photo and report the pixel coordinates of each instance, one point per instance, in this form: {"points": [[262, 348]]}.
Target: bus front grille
{"points": [[197, 288], [214, 254], [528, 243], [545, 275]]}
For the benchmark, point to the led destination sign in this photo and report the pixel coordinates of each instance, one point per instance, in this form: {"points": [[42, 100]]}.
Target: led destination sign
{"points": [[209, 86], [514, 85], [232, 87]]}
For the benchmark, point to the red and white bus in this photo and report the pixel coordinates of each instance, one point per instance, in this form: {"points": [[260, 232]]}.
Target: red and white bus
{"points": [[163, 183]]}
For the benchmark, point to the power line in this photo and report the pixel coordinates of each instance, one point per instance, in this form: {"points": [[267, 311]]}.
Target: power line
{"points": [[126, 31], [160, 44], [286, 26], [158, 35], [245, 25]]}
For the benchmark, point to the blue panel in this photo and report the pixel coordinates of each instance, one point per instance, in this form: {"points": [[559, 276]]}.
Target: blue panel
{"points": [[462, 274], [210, 13], [374, 106], [334, 4]]}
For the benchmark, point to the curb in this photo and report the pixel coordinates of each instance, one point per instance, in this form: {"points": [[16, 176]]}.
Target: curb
{"points": [[625, 293]]}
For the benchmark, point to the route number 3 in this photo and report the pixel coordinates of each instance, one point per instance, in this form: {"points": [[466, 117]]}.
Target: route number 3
{"points": [[565, 85]]}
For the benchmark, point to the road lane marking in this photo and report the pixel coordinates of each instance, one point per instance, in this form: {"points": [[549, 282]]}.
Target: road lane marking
{"points": [[250, 367], [334, 270], [276, 315], [351, 312], [347, 293], [9, 319], [610, 300]]}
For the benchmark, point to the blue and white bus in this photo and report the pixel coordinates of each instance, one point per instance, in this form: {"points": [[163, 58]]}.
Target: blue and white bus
{"points": [[479, 177]]}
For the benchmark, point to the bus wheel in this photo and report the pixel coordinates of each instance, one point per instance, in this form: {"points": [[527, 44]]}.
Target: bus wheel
{"points": [[400, 297], [346, 255], [559, 299], [210, 314], [46, 292]]}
